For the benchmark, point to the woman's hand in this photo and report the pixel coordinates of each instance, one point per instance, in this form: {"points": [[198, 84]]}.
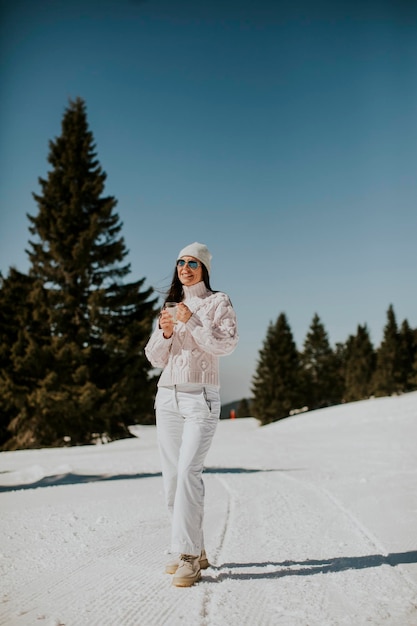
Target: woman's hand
{"points": [[183, 312], [166, 323]]}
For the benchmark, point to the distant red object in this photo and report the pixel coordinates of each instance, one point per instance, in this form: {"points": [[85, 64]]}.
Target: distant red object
{"points": [[232, 414]]}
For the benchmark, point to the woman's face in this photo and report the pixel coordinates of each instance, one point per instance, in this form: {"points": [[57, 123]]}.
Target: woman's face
{"points": [[187, 275]]}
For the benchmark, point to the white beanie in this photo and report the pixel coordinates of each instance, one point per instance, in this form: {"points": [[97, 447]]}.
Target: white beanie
{"points": [[199, 251]]}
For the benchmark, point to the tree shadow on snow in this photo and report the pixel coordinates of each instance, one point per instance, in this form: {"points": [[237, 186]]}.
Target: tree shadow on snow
{"points": [[71, 478], [270, 570], [76, 479], [242, 470]]}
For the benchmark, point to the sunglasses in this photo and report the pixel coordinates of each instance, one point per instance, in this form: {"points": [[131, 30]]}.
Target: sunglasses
{"points": [[193, 265]]}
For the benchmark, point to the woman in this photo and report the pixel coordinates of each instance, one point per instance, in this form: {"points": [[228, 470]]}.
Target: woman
{"points": [[187, 403]]}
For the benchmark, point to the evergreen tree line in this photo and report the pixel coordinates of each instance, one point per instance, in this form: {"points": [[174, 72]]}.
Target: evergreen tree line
{"points": [[288, 380], [72, 330]]}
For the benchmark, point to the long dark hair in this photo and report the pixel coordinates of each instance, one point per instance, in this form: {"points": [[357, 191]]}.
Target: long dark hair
{"points": [[176, 291]]}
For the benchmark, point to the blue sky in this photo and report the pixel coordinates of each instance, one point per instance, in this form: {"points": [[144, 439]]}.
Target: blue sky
{"points": [[281, 134]]}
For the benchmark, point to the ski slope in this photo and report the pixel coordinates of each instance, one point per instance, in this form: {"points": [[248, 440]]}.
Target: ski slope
{"points": [[309, 521]]}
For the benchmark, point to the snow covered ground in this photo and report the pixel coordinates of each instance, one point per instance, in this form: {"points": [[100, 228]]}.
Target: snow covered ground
{"points": [[309, 521]]}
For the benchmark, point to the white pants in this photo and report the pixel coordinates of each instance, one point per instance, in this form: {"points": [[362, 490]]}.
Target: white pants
{"points": [[186, 420]]}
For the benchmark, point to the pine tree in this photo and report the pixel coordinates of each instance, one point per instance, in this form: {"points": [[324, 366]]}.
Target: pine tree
{"points": [[320, 367], [341, 352], [276, 384], [93, 377], [413, 375], [387, 378], [17, 326], [408, 353], [243, 409], [360, 366]]}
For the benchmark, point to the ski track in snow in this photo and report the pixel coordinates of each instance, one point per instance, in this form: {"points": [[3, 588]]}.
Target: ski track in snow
{"points": [[297, 529], [280, 561]]}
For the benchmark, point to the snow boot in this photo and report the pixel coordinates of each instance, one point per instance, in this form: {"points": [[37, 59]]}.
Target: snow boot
{"points": [[188, 571], [172, 566]]}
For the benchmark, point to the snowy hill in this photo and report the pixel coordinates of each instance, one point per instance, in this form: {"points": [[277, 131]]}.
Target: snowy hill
{"points": [[309, 521]]}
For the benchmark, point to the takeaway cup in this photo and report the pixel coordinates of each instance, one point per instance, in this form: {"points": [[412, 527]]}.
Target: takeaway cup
{"points": [[172, 309]]}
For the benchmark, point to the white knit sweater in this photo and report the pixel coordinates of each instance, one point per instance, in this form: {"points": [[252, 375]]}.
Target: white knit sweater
{"points": [[191, 354]]}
